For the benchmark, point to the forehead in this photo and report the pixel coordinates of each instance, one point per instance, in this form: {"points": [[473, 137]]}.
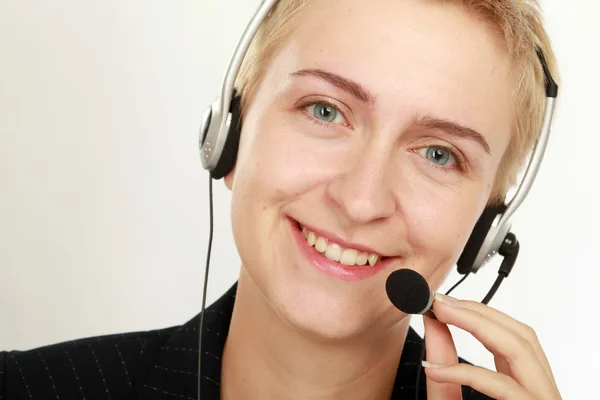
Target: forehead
{"points": [[414, 56]]}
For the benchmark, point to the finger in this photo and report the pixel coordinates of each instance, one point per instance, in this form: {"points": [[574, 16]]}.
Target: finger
{"points": [[493, 384], [440, 350], [516, 326], [501, 365], [523, 363]]}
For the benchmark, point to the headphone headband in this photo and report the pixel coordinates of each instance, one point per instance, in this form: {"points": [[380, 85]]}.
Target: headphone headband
{"points": [[221, 126], [215, 123]]}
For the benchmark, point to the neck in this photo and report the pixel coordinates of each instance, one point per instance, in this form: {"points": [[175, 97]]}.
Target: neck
{"points": [[266, 358]]}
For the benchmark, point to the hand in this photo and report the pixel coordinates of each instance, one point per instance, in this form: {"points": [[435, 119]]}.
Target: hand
{"points": [[523, 371]]}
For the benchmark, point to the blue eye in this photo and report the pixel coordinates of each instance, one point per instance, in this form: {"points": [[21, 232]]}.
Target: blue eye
{"points": [[325, 112], [439, 156]]}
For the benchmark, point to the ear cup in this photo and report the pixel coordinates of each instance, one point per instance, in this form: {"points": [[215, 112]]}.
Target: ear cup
{"points": [[480, 231], [205, 124], [229, 155]]}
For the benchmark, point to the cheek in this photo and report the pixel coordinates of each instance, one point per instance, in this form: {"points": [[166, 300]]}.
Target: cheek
{"points": [[272, 169], [439, 226], [281, 162]]}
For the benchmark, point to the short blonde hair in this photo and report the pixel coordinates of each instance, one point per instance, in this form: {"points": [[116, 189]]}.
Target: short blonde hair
{"points": [[516, 24]]}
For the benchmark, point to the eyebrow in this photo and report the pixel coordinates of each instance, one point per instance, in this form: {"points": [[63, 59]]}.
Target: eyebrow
{"points": [[350, 86], [427, 121], [431, 122]]}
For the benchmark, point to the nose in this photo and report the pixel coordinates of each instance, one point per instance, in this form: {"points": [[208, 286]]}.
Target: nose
{"points": [[363, 191]]}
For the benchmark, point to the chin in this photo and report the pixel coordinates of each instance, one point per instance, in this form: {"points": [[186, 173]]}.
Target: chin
{"points": [[314, 310], [329, 322]]}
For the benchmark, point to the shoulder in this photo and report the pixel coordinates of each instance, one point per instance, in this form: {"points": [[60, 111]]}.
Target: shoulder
{"points": [[2, 368], [83, 368], [148, 365]]}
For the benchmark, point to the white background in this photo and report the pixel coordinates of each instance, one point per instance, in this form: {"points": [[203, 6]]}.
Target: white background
{"points": [[103, 202]]}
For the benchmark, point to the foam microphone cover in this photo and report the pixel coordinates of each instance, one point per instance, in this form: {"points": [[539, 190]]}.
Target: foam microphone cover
{"points": [[408, 291]]}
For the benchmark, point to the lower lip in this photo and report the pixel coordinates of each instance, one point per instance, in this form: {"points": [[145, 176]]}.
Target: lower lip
{"points": [[333, 268]]}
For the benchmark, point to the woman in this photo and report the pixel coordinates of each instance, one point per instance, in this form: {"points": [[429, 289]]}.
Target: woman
{"points": [[374, 135]]}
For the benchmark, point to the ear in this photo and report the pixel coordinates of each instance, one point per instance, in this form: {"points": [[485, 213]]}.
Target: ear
{"points": [[228, 179]]}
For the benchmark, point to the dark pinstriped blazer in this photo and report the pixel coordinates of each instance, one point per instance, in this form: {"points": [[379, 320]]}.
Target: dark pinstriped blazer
{"points": [[159, 364]]}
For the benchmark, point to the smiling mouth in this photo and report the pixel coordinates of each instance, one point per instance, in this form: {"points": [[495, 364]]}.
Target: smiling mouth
{"points": [[335, 252]]}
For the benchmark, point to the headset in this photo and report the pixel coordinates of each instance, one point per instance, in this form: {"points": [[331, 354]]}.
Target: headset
{"points": [[219, 141]]}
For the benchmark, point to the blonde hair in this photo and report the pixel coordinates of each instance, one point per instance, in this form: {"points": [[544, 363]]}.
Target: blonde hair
{"points": [[516, 24]]}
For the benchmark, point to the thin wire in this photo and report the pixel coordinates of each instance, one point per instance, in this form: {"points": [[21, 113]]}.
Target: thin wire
{"points": [[418, 383], [493, 290], [210, 239], [458, 283]]}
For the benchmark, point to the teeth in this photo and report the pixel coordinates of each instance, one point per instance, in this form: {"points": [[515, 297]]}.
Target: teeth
{"points": [[311, 239], [321, 244], [349, 257], [362, 258], [335, 252], [373, 258]]}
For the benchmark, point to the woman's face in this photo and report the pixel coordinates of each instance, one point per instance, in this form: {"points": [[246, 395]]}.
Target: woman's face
{"points": [[379, 126]]}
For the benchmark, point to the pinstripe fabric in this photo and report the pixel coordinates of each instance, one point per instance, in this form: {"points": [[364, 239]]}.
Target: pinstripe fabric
{"points": [[160, 364]]}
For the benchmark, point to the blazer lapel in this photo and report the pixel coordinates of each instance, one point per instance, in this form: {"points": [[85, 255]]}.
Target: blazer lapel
{"points": [[174, 372]]}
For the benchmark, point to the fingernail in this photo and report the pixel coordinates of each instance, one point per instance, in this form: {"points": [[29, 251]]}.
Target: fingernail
{"points": [[427, 364], [451, 301]]}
